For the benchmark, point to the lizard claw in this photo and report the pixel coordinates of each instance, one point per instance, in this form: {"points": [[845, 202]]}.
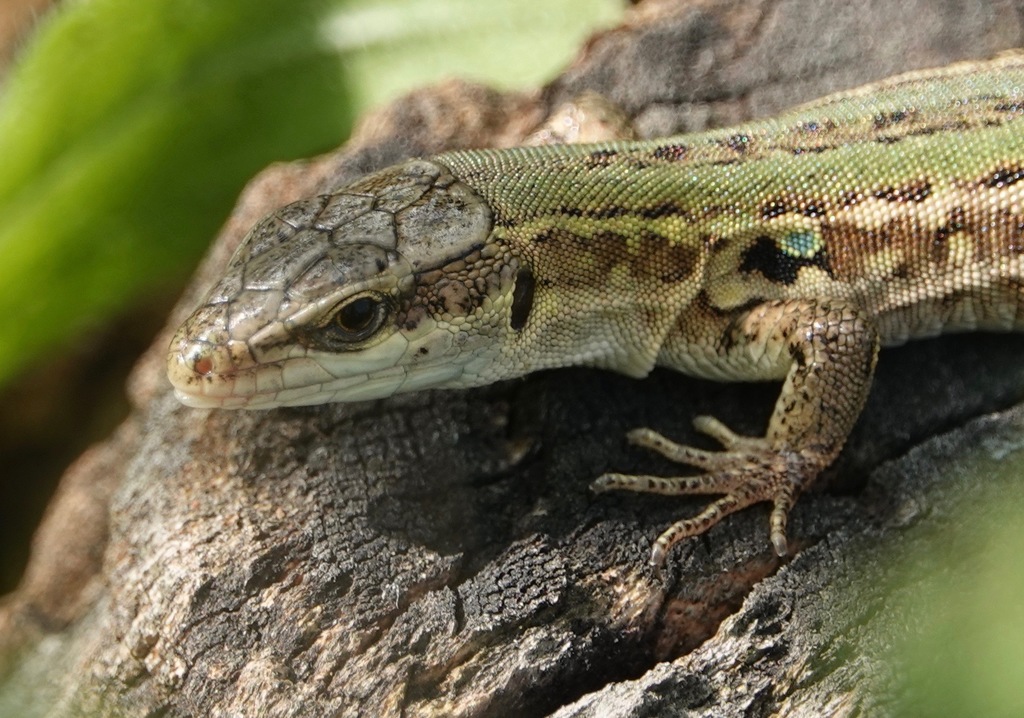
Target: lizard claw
{"points": [[746, 472]]}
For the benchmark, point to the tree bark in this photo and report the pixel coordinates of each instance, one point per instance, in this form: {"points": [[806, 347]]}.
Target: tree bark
{"points": [[439, 553]]}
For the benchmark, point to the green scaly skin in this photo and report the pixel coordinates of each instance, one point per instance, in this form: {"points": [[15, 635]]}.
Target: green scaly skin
{"points": [[786, 249]]}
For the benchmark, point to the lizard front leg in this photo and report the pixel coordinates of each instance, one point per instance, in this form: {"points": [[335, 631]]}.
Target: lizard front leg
{"points": [[826, 350]]}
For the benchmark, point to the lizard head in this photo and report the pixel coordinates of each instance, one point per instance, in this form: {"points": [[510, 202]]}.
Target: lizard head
{"points": [[389, 285]]}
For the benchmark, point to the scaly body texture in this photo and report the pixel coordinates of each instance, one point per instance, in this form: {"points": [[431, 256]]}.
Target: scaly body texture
{"points": [[785, 249]]}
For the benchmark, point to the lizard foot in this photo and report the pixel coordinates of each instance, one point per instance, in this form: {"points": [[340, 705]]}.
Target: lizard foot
{"points": [[747, 472]]}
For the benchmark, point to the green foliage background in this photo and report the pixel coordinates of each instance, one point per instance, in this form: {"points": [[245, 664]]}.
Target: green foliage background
{"points": [[127, 128]]}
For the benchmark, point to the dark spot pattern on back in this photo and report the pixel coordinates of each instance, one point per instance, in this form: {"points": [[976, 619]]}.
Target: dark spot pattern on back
{"points": [[778, 265]]}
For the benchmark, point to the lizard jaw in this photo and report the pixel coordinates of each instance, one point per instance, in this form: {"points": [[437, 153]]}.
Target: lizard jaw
{"points": [[229, 376]]}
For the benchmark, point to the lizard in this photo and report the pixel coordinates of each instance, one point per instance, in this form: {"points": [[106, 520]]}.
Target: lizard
{"points": [[787, 249]]}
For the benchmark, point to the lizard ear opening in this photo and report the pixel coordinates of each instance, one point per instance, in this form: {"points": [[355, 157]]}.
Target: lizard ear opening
{"points": [[522, 299]]}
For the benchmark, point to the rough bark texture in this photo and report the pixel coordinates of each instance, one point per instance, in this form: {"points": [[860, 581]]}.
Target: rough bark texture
{"points": [[439, 554]]}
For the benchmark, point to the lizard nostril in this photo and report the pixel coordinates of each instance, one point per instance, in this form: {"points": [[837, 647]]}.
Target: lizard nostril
{"points": [[203, 365]]}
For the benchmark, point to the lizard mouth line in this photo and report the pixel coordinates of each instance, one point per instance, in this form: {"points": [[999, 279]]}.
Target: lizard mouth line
{"points": [[235, 390], [261, 386], [290, 383]]}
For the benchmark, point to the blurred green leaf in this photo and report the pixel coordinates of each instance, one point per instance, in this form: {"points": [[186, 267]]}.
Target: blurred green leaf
{"points": [[128, 128], [394, 45], [966, 657]]}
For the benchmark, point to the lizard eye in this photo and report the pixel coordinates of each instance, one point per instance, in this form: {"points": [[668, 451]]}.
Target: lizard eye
{"points": [[359, 317]]}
